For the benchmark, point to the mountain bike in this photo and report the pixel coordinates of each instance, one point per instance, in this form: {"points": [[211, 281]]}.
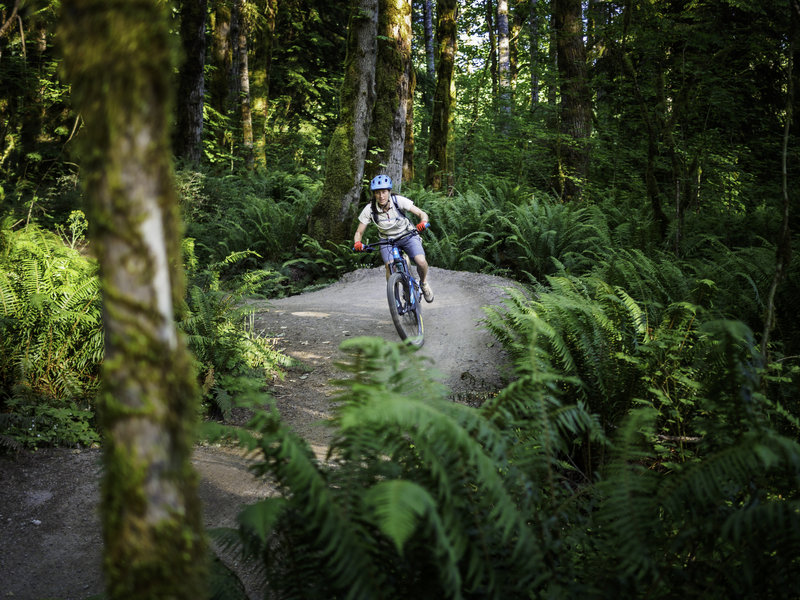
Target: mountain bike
{"points": [[403, 292]]}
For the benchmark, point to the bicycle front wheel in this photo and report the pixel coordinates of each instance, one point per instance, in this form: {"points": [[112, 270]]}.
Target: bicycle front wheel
{"points": [[405, 309]]}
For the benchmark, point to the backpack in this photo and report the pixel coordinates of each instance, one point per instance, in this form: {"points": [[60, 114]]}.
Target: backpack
{"points": [[400, 211]]}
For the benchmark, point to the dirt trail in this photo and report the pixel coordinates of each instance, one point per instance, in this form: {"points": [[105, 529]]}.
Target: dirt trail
{"points": [[49, 528]]}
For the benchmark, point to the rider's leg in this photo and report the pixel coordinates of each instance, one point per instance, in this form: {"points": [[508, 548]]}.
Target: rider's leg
{"points": [[422, 267]]}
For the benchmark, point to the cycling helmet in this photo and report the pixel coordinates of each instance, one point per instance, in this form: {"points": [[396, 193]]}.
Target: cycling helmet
{"points": [[380, 182]]}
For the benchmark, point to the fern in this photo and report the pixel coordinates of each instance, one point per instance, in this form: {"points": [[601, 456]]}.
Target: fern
{"points": [[222, 337], [412, 502], [51, 344]]}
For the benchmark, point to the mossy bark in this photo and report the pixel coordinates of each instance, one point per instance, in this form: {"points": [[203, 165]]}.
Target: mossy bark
{"points": [[440, 150], [344, 168], [576, 101], [393, 81], [119, 60], [188, 139]]}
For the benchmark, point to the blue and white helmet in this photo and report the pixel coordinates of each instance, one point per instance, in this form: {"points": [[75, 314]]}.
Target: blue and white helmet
{"points": [[380, 182]]}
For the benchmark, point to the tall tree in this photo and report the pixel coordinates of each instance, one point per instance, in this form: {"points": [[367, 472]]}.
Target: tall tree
{"points": [[118, 59], [265, 67], [576, 107], [410, 145], [503, 56], [393, 82], [241, 79], [221, 56], [188, 135], [492, 32], [440, 170], [344, 168], [533, 34]]}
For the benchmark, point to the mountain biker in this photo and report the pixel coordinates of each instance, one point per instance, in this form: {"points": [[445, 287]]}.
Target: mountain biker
{"points": [[387, 211]]}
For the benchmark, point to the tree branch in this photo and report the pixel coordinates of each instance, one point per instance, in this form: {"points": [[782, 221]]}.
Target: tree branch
{"points": [[7, 25]]}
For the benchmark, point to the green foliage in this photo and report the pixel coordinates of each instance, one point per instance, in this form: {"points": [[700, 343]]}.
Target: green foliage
{"points": [[413, 500], [504, 229], [233, 214], [221, 333], [423, 497], [322, 264], [51, 342]]}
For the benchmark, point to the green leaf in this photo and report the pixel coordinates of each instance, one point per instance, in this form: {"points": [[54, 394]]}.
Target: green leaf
{"points": [[396, 507]]}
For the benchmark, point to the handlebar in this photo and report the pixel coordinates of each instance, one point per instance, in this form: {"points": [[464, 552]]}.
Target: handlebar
{"points": [[390, 241]]}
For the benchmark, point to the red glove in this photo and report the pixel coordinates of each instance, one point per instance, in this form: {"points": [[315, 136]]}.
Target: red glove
{"points": [[421, 226], [358, 246]]}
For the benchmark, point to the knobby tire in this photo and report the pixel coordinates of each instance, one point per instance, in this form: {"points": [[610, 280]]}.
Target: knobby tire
{"points": [[407, 321]]}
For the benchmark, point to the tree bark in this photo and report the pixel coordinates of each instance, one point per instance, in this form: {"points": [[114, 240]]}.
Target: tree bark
{"points": [[222, 56], [491, 30], [534, 53], [118, 59], [576, 108], [344, 169], [188, 137], [409, 146], [265, 67], [242, 73], [440, 170], [783, 256], [393, 88], [504, 57], [430, 64]]}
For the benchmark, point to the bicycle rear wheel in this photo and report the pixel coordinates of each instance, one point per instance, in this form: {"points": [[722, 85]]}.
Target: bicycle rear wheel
{"points": [[405, 309]]}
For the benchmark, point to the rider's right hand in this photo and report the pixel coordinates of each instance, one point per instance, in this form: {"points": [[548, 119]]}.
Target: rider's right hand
{"points": [[358, 246]]}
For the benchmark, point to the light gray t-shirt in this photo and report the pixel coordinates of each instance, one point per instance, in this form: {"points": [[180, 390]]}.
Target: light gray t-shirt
{"points": [[390, 223]]}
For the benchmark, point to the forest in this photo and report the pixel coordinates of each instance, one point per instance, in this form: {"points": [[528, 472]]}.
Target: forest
{"points": [[632, 165]]}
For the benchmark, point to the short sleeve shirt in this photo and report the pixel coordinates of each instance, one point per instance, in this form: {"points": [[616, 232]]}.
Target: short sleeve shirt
{"points": [[390, 223]]}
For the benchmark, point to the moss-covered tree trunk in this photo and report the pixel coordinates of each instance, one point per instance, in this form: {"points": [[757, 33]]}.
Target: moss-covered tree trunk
{"points": [[344, 167], [393, 81], [410, 145], [440, 150], [118, 59], [188, 136], [576, 104], [241, 83], [261, 80]]}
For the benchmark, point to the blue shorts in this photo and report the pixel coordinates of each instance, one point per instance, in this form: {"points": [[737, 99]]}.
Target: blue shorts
{"points": [[411, 245]]}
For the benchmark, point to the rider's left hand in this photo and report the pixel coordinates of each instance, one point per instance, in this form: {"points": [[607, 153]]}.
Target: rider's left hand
{"points": [[421, 226]]}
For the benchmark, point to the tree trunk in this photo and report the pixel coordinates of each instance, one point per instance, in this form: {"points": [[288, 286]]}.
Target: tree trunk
{"points": [[241, 73], [430, 63], [534, 39], [408, 149], [784, 243], [117, 57], [490, 28], [265, 66], [515, 27], [504, 57], [344, 169], [222, 57], [393, 88], [576, 108], [188, 137], [440, 151]]}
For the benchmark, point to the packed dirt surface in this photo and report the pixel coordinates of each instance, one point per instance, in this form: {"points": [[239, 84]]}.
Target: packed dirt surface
{"points": [[50, 539]]}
